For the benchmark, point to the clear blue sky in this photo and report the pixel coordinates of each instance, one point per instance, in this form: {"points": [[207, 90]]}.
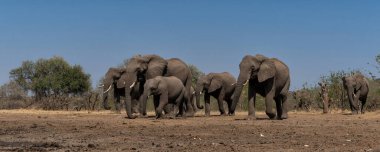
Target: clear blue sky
{"points": [[313, 37]]}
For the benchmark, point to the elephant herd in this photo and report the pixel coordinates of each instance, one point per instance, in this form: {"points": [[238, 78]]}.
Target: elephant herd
{"points": [[169, 82]]}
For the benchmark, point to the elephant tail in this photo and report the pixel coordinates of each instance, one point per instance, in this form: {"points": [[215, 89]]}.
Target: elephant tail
{"points": [[286, 87]]}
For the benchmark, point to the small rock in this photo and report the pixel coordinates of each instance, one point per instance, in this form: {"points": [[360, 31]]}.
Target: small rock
{"points": [[133, 148], [306, 145], [261, 135]]}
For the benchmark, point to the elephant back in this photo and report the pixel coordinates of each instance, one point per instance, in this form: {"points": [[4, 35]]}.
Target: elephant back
{"points": [[179, 69]]}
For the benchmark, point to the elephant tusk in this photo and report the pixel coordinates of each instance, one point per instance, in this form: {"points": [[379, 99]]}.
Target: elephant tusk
{"points": [[200, 92], [107, 89], [233, 84], [133, 84], [193, 92], [101, 86], [246, 82], [354, 95]]}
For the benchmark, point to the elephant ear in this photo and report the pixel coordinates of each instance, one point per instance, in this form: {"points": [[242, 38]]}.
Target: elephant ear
{"points": [[156, 66], [215, 84], [267, 70]]}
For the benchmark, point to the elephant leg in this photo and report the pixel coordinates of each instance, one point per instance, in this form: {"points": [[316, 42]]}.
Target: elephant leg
{"points": [[251, 102], [189, 105], [284, 107], [364, 100], [221, 102], [269, 105], [229, 103], [117, 104], [355, 103], [175, 107], [207, 104], [135, 106], [269, 99], [156, 101], [142, 105], [162, 102], [279, 107], [181, 109]]}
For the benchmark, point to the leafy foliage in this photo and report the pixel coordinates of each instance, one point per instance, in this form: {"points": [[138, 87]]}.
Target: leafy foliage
{"points": [[51, 79], [196, 73]]}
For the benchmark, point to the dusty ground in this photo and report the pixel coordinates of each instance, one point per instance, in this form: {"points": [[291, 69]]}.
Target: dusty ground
{"points": [[32, 130]]}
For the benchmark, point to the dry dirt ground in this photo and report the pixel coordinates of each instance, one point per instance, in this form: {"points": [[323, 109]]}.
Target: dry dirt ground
{"points": [[31, 130]]}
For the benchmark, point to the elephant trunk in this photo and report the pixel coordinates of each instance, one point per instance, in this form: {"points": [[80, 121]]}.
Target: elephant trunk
{"points": [[197, 97], [351, 98], [242, 80], [105, 101], [128, 104], [106, 88], [128, 84], [198, 91]]}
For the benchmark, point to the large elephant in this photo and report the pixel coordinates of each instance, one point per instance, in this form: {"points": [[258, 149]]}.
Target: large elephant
{"points": [[268, 77], [166, 90], [357, 88], [109, 85], [219, 85], [148, 67]]}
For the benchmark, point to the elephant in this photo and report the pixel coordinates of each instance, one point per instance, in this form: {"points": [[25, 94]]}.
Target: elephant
{"points": [[268, 77], [166, 90], [147, 67], [219, 85], [109, 85], [357, 88]]}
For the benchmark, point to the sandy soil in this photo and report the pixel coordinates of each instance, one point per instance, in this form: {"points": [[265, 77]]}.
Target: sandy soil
{"points": [[31, 130]]}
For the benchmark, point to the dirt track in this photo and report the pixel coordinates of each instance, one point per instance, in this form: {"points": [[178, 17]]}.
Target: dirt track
{"points": [[104, 131]]}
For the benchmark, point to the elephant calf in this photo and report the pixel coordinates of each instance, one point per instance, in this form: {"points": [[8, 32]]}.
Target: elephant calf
{"points": [[357, 88], [165, 90], [219, 85]]}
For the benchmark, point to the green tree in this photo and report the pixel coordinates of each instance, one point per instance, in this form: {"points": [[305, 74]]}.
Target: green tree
{"points": [[52, 78], [196, 73], [12, 91]]}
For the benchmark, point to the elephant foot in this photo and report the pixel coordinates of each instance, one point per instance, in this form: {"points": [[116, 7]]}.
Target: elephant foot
{"points": [[354, 113], [207, 115], [223, 114], [231, 114], [131, 117], [271, 115], [250, 118], [284, 116]]}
